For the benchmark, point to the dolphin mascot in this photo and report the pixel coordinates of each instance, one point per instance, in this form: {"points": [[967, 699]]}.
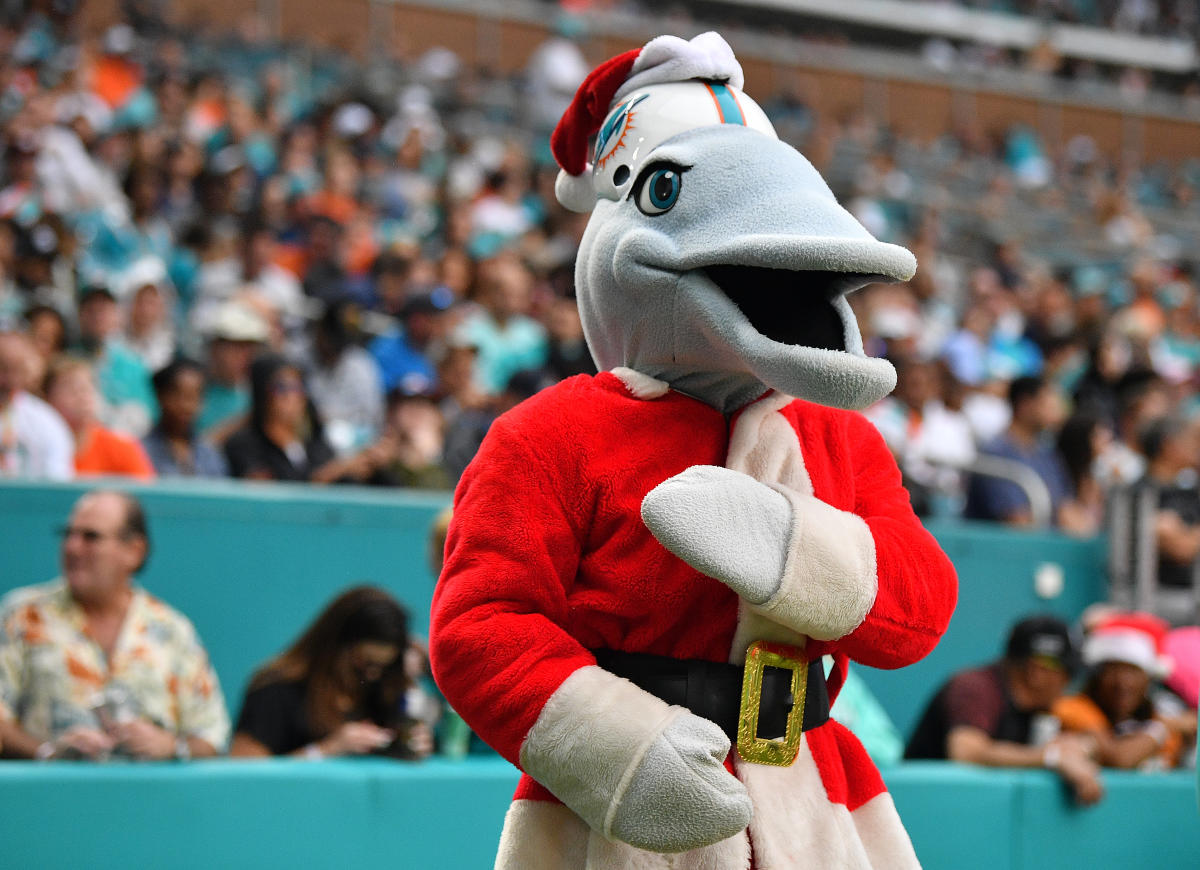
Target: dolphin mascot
{"points": [[643, 564]]}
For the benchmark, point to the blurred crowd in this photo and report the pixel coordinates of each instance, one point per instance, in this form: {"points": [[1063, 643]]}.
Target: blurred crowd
{"points": [[227, 256]]}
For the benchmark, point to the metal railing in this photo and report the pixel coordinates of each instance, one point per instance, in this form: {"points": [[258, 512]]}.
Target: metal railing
{"points": [[1133, 558]]}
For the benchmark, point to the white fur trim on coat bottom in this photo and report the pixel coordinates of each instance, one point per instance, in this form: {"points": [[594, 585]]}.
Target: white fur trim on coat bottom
{"points": [[545, 836], [795, 827]]}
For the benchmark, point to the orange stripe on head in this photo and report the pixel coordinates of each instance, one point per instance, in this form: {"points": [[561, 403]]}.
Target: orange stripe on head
{"points": [[716, 102]]}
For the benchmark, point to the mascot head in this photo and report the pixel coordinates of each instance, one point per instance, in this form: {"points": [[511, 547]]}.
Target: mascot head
{"points": [[716, 258]]}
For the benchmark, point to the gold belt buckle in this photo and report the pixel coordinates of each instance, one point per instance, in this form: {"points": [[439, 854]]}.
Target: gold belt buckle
{"points": [[750, 746]]}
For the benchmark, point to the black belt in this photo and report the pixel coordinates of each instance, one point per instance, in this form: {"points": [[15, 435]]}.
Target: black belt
{"points": [[713, 690]]}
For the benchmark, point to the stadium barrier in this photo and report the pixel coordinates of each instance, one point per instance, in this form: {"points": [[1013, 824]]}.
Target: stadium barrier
{"points": [[437, 815]]}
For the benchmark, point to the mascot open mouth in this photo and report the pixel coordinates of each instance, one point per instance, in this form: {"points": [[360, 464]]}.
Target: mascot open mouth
{"points": [[789, 306]]}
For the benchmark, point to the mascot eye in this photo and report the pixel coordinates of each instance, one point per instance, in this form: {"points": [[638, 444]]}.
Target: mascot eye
{"points": [[658, 189]]}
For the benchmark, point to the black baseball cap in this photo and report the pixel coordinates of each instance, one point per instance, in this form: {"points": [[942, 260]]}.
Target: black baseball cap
{"points": [[1046, 638], [96, 289]]}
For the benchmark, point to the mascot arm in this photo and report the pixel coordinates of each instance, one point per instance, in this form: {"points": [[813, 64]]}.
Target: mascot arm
{"points": [[872, 579], [631, 766], [917, 584]]}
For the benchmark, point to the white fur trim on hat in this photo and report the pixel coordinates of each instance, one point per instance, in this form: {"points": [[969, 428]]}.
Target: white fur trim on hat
{"points": [[671, 59], [1125, 645], [575, 192]]}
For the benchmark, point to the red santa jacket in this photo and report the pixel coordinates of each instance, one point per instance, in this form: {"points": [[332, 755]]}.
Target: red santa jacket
{"points": [[547, 556]]}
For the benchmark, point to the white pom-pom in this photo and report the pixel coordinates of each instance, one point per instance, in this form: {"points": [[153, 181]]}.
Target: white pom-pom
{"points": [[575, 192]]}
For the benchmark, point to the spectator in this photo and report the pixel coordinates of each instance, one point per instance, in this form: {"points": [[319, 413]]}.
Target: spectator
{"points": [[283, 439], [121, 376], [345, 381], [236, 335], [998, 715], [71, 390], [404, 355], [48, 331], [1083, 442], [466, 432], [339, 689], [34, 440], [1115, 708], [568, 353], [410, 452], [325, 275], [1172, 447], [930, 441], [150, 329], [508, 339], [252, 271], [172, 445], [1036, 412], [1141, 399], [116, 671]]}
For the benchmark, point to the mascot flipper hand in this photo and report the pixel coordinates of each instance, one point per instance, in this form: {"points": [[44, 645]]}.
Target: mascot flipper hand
{"points": [[642, 564]]}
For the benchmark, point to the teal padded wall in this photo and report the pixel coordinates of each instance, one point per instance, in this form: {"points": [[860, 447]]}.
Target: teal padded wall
{"points": [[441, 815]]}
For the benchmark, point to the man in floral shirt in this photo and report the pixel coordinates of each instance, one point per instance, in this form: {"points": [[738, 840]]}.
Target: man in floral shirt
{"points": [[92, 666]]}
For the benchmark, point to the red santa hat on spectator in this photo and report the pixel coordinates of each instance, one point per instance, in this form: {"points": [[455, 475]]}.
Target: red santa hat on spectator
{"points": [[637, 100], [1133, 638]]}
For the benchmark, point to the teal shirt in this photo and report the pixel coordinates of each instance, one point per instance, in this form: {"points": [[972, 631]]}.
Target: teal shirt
{"points": [[122, 379], [504, 350], [861, 712], [222, 403]]}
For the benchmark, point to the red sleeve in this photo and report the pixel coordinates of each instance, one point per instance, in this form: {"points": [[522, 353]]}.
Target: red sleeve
{"points": [[497, 643], [918, 587]]}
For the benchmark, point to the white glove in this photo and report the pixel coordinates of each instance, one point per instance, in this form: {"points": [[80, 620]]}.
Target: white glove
{"points": [[681, 797], [726, 525], [633, 767]]}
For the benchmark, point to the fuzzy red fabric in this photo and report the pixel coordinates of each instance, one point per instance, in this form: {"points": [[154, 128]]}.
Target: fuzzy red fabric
{"points": [[569, 141], [847, 772], [547, 556]]}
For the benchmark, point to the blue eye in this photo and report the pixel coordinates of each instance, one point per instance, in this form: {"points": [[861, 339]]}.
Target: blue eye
{"points": [[658, 189]]}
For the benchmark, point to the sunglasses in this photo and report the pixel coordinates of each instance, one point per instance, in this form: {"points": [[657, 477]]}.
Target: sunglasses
{"points": [[89, 536]]}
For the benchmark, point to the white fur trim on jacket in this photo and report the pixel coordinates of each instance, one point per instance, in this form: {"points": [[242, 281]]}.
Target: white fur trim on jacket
{"points": [[639, 385], [589, 740], [829, 581]]}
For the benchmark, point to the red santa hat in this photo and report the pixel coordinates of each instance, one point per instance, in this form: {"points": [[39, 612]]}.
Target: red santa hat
{"points": [[1133, 638], [662, 60]]}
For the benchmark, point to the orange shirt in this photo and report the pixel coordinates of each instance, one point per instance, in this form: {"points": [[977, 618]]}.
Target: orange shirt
{"points": [[1080, 714], [102, 451], [114, 80]]}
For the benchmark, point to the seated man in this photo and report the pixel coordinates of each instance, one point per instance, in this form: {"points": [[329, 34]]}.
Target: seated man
{"points": [[992, 715], [92, 666], [1036, 412]]}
